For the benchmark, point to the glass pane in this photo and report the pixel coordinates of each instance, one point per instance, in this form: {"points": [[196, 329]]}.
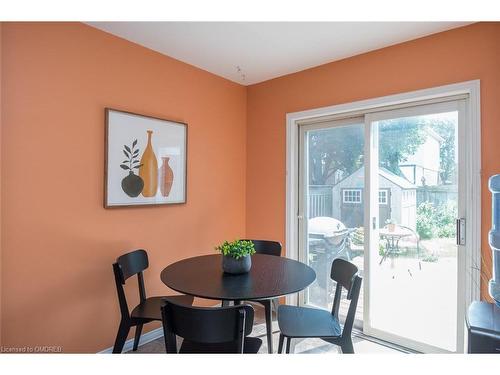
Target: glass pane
{"points": [[335, 211], [413, 285]]}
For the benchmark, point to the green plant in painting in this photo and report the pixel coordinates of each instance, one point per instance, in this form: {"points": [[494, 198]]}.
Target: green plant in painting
{"points": [[236, 249]]}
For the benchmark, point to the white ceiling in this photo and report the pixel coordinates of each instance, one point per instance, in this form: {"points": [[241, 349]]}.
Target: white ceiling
{"points": [[252, 52]]}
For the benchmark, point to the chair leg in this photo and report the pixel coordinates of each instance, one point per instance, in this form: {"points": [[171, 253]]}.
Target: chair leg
{"points": [[269, 325], [288, 341], [280, 345], [138, 330], [347, 347], [121, 336]]}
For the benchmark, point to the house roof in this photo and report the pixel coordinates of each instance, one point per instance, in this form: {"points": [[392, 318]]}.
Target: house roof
{"points": [[395, 179], [388, 175]]}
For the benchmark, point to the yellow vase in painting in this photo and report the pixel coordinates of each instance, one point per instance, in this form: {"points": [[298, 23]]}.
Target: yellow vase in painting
{"points": [[149, 170]]}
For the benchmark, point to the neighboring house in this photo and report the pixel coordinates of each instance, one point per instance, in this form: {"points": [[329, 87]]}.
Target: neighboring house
{"points": [[422, 168], [397, 199]]}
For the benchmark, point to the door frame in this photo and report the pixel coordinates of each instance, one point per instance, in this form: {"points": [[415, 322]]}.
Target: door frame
{"points": [[469, 90]]}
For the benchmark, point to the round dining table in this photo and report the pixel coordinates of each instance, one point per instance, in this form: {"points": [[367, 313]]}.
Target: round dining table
{"points": [[270, 277]]}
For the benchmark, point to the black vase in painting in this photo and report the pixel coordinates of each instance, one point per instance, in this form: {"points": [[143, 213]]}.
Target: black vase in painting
{"points": [[132, 185]]}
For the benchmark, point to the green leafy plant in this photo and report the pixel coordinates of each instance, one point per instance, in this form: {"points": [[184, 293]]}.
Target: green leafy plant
{"points": [[381, 249], [445, 219], [426, 220], [236, 249], [436, 221], [132, 154], [430, 258]]}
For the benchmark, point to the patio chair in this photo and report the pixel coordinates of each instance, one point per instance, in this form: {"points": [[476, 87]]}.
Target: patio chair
{"points": [[403, 241]]}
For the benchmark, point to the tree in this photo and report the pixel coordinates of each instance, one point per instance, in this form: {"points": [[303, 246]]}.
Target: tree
{"points": [[398, 139], [448, 163], [329, 153], [341, 149]]}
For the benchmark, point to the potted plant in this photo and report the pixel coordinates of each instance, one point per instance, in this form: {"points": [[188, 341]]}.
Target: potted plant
{"points": [[391, 225], [236, 256]]}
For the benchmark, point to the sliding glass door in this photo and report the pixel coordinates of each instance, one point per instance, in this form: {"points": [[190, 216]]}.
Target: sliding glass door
{"points": [[333, 215], [412, 293], [384, 191]]}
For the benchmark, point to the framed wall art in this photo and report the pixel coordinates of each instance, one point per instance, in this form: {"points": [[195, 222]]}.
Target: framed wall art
{"points": [[145, 160]]}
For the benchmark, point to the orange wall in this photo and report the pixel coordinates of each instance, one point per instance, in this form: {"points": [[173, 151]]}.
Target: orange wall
{"points": [[59, 242], [467, 53], [1, 27]]}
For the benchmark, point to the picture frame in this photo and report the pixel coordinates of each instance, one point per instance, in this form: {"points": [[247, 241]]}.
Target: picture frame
{"points": [[145, 160]]}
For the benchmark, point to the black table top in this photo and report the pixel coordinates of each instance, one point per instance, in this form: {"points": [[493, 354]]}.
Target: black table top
{"points": [[269, 277]]}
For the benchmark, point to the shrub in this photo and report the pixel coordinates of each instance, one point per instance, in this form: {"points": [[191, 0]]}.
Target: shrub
{"points": [[445, 220], [436, 221], [426, 220]]}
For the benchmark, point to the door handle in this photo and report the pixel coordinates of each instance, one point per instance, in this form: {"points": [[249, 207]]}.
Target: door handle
{"points": [[460, 231]]}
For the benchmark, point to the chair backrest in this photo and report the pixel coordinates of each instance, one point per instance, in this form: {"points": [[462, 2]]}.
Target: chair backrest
{"points": [[132, 263], [206, 325], [345, 274], [267, 247], [127, 265]]}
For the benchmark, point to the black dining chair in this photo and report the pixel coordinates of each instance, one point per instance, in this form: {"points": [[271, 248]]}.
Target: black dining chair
{"points": [[222, 330], [305, 322], [268, 248], [148, 309]]}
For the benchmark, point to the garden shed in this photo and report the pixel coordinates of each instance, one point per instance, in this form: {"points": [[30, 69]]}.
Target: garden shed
{"points": [[397, 199]]}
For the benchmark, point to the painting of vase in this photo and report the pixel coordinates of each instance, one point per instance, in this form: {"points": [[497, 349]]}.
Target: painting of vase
{"points": [[149, 169], [166, 177], [145, 160]]}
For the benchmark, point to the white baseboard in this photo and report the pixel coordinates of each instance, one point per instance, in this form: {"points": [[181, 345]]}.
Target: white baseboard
{"points": [[145, 338]]}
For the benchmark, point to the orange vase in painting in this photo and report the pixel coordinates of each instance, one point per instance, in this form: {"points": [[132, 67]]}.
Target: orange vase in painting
{"points": [[166, 177], [149, 169]]}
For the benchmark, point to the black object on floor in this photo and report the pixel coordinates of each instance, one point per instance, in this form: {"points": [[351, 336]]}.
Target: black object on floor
{"points": [[304, 322], [483, 326], [209, 330], [148, 310]]}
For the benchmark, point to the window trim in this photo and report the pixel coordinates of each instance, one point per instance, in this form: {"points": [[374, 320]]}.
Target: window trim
{"points": [[356, 192], [386, 196]]}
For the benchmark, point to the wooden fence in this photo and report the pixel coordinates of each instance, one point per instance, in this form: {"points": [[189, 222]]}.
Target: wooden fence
{"points": [[320, 201], [437, 194]]}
